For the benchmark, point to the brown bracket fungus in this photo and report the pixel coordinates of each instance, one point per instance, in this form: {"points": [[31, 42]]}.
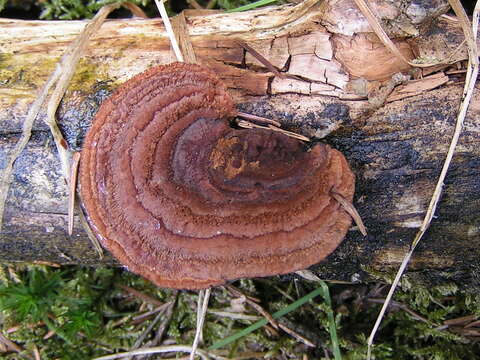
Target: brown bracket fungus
{"points": [[187, 201]]}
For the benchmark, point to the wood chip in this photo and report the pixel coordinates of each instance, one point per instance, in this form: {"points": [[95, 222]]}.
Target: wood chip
{"points": [[417, 87]]}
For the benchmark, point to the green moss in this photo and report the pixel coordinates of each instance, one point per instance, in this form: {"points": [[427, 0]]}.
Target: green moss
{"points": [[25, 71], [86, 75], [90, 301], [23, 74]]}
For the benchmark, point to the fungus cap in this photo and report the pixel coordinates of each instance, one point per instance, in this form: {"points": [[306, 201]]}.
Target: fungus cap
{"points": [[185, 200]]}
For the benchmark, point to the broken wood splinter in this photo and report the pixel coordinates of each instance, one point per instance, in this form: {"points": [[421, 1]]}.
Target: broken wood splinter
{"points": [[249, 125], [258, 118]]}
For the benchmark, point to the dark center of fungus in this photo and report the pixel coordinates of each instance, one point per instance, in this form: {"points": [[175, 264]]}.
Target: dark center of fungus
{"points": [[185, 200]]}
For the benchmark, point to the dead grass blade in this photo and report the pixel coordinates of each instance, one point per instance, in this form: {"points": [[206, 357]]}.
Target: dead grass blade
{"points": [[157, 350], [194, 4], [150, 327], [72, 190], [67, 67], [168, 27], [164, 324], [6, 177], [350, 209], [234, 315], [91, 236], [403, 307], [36, 353], [203, 298], [470, 32]]}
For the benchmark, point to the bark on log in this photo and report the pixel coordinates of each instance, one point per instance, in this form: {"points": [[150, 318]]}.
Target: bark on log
{"points": [[335, 66]]}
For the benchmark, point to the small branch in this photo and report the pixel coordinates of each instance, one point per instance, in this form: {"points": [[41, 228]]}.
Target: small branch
{"points": [[261, 59]]}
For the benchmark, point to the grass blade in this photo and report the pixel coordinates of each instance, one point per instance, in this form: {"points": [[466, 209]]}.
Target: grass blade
{"points": [[332, 328], [251, 6], [276, 315]]}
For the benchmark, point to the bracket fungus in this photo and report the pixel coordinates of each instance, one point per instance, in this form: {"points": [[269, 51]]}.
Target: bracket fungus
{"points": [[187, 201]]}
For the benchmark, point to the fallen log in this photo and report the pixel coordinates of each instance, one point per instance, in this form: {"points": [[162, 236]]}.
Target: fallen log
{"points": [[329, 78]]}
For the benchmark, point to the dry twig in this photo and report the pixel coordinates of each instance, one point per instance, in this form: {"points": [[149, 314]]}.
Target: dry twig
{"points": [[140, 295], [402, 307], [276, 325], [234, 315], [163, 326], [150, 327], [10, 344], [236, 292]]}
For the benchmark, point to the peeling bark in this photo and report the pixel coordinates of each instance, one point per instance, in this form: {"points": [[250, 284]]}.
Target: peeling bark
{"points": [[333, 69]]}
